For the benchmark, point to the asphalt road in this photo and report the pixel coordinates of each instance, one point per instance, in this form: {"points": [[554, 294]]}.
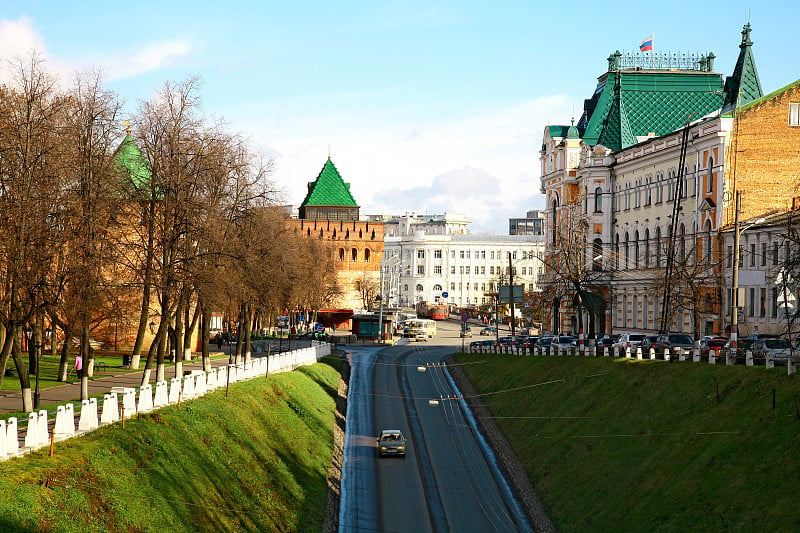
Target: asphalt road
{"points": [[449, 480]]}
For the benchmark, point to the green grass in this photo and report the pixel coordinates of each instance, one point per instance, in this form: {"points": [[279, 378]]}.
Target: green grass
{"points": [[255, 461], [616, 445]]}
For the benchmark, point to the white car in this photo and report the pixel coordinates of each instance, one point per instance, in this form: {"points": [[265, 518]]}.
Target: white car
{"points": [[629, 340]]}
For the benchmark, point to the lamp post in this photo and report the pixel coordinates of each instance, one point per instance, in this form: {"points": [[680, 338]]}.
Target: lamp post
{"points": [[36, 349], [737, 233], [379, 299]]}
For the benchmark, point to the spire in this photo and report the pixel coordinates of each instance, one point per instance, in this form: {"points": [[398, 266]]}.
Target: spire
{"points": [[744, 85]]}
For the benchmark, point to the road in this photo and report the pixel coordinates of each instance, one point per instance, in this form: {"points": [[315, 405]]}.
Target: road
{"points": [[448, 480]]}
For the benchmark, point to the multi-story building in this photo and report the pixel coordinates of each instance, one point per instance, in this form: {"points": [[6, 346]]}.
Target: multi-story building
{"points": [[532, 224], [459, 270], [649, 173]]}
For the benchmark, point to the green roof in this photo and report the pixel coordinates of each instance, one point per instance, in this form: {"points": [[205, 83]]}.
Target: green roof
{"points": [[633, 103], [766, 97], [744, 85], [132, 163], [329, 189]]}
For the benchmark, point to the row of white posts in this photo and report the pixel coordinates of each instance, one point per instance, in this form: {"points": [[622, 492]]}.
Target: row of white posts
{"points": [[682, 354], [190, 386]]}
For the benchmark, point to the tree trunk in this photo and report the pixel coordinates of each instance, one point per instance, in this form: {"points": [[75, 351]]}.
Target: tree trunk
{"points": [[205, 326]]}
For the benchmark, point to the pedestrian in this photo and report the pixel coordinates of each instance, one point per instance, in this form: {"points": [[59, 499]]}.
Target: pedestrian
{"points": [[218, 340], [78, 366]]}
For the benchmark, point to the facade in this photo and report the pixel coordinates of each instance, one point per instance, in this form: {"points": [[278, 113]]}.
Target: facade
{"points": [[411, 223], [458, 270], [330, 213], [650, 172]]}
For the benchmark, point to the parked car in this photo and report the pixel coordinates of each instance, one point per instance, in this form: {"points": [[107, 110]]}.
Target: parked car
{"points": [[606, 341], [531, 341], [777, 348], [647, 342], [491, 330], [565, 341], [481, 344], [712, 343], [545, 342], [628, 340], [673, 342], [742, 347], [391, 442]]}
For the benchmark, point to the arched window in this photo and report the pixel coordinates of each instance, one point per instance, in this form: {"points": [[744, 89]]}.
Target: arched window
{"points": [[598, 200], [554, 220], [354, 255], [636, 249], [320, 234], [405, 287], [647, 247], [709, 246], [341, 254], [658, 247], [360, 235], [419, 287], [437, 287], [334, 233], [627, 252], [366, 255], [308, 232], [682, 238], [616, 251], [710, 176]]}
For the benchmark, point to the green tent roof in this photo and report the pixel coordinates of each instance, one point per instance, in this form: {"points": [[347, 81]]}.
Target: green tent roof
{"points": [[329, 189], [633, 103], [132, 163], [744, 85]]}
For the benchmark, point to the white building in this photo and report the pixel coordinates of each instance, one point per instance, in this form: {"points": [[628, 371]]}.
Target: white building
{"points": [[461, 270]]}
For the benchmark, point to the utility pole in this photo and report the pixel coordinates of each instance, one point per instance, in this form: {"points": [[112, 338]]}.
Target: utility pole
{"points": [[511, 290]]}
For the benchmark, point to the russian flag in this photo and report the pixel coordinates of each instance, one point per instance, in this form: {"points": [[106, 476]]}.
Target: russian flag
{"points": [[647, 44]]}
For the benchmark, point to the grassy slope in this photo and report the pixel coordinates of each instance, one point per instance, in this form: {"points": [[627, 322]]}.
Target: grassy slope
{"points": [[255, 461], [614, 445]]}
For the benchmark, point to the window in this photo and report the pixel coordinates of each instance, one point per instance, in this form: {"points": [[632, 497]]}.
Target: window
{"points": [[763, 254], [354, 255], [366, 255], [774, 253], [466, 269], [753, 254], [491, 270], [341, 254], [437, 254], [437, 287], [636, 249], [453, 269], [421, 270], [468, 254], [774, 302], [647, 247], [452, 285], [752, 307], [483, 254], [710, 184], [437, 269], [763, 303], [730, 257], [794, 114], [461, 254], [598, 200], [420, 254], [483, 270], [419, 288]]}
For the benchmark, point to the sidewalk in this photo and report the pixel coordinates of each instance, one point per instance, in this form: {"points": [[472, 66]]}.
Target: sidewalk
{"points": [[12, 401]]}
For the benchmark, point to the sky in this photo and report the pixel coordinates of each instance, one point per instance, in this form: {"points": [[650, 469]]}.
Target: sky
{"points": [[424, 106]]}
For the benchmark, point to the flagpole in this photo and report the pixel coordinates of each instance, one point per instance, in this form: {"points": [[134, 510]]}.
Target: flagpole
{"points": [[653, 52]]}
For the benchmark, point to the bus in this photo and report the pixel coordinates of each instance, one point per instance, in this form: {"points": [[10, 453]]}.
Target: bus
{"points": [[424, 325], [432, 311]]}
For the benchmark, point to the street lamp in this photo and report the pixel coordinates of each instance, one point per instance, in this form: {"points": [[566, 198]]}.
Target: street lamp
{"points": [[737, 233], [152, 327], [36, 348], [379, 299]]}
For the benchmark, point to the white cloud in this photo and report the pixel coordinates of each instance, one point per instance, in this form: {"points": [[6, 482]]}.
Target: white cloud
{"points": [[18, 40], [154, 56]]}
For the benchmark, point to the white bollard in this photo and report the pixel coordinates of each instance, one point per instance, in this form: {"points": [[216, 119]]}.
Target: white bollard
{"points": [[770, 362], [790, 366], [748, 358], [107, 415], [652, 354], [69, 415], [129, 402], [145, 399], [174, 390], [711, 359], [12, 438], [85, 420], [60, 429], [32, 431], [696, 355], [666, 354], [639, 353], [162, 395]]}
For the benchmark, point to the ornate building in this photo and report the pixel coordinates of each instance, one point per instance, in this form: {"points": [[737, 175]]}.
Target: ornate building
{"points": [[642, 184]]}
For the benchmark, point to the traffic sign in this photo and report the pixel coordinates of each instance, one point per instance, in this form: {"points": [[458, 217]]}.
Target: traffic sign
{"points": [[319, 327], [445, 295], [464, 317]]}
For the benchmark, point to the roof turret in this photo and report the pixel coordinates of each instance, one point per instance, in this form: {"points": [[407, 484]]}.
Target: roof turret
{"points": [[744, 85]]}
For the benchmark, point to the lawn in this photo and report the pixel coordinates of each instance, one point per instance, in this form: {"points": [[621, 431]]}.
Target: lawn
{"points": [[622, 445]]}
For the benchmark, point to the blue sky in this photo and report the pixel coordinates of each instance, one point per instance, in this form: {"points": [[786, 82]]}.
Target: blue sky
{"points": [[425, 106]]}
